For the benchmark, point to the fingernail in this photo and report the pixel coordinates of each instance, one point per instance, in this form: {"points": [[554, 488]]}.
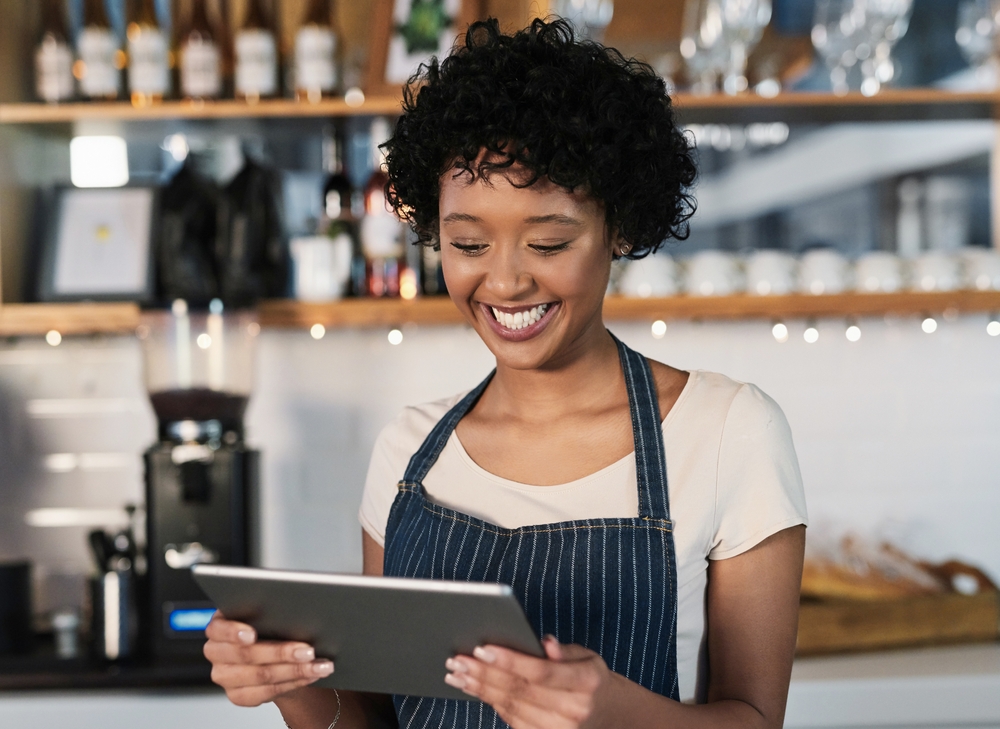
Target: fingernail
{"points": [[551, 638], [455, 665], [485, 655], [452, 680], [245, 636], [304, 655], [323, 668]]}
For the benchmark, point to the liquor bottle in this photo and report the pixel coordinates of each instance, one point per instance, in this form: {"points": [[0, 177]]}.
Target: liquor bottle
{"points": [[256, 54], [382, 236], [53, 56], [338, 222], [98, 68], [316, 72], [148, 60], [200, 55]]}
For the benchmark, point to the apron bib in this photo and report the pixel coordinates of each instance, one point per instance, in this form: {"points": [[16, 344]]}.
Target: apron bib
{"points": [[607, 584]]}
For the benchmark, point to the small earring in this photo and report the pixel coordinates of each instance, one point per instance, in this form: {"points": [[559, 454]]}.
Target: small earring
{"points": [[625, 248]]}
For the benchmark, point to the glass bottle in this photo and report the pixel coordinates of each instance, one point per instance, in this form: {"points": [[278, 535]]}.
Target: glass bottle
{"points": [[148, 60], [53, 56], [338, 218], [382, 235], [316, 73], [98, 68], [256, 54], [200, 56]]}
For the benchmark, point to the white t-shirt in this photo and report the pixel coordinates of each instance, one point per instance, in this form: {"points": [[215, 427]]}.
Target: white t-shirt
{"points": [[732, 475]]}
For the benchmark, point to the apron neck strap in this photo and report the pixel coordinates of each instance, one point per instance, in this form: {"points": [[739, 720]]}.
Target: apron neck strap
{"points": [[644, 406]]}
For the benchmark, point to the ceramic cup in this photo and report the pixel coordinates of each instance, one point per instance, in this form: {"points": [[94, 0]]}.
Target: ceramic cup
{"points": [[823, 271], [713, 273], [879, 272], [322, 267], [770, 272], [982, 268], [654, 275], [935, 271]]}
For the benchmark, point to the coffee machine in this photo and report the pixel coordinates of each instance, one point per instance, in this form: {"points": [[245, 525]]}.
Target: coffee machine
{"points": [[201, 478]]}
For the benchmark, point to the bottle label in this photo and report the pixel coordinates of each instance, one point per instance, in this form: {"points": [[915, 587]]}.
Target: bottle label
{"points": [[256, 63], [200, 76], [148, 71], [53, 71], [97, 48], [315, 50], [382, 236]]}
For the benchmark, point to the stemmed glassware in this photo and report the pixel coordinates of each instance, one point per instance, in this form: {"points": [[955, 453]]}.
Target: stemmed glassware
{"points": [[977, 35], [838, 26], [718, 37], [590, 17], [886, 22]]}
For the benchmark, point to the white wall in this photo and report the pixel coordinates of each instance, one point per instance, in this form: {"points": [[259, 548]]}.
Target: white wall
{"points": [[898, 435]]}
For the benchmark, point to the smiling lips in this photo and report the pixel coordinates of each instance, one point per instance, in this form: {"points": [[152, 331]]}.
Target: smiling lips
{"points": [[521, 324]]}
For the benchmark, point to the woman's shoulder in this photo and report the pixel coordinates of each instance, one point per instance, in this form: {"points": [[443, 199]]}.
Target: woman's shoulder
{"points": [[405, 433]]}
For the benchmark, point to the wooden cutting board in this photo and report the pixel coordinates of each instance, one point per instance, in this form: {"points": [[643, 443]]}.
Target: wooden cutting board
{"points": [[843, 626]]}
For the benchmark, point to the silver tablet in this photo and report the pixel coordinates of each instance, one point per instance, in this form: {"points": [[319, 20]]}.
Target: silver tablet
{"points": [[384, 634]]}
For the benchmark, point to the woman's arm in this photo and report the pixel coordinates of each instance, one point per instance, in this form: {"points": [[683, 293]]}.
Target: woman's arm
{"points": [[753, 601]]}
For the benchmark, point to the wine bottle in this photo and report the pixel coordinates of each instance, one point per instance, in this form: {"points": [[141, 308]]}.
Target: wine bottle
{"points": [[316, 72], [98, 68], [337, 189], [148, 60], [200, 55], [53, 56], [256, 54], [382, 236]]}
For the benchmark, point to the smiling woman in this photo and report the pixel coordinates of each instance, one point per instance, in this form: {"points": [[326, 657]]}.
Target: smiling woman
{"points": [[533, 161]]}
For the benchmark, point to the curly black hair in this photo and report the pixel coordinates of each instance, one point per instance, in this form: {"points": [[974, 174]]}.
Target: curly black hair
{"points": [[571, 110]]}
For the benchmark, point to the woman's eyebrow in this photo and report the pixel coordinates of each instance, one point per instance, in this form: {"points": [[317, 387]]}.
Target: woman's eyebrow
{"points": [[461, 218], [556, 219]]}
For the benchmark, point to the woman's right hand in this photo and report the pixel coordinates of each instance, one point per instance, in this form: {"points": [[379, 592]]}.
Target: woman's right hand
{"points": [[254, 672]]}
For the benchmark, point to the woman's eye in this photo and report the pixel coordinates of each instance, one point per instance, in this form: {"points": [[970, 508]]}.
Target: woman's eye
{"points": [[548, 250], [470, 249]]}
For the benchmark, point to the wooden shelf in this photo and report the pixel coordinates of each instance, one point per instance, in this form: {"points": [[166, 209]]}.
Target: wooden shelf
{"points": [[889, 104], [82, 319], [67, 319], [36, 113], [368, 313]]}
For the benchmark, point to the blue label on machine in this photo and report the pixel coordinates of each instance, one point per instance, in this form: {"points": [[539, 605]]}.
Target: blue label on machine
{"points": [[191, 619]]}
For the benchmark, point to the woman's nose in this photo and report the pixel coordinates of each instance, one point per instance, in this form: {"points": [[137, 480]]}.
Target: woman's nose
{"points": [[506, 275]]}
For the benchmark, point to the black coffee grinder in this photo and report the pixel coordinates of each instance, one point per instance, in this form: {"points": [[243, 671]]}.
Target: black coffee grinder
{"points": [[201, 479]]}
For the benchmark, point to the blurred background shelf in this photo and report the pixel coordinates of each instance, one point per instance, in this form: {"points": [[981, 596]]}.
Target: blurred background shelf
{"points": [[68, 319], [890, 104], [36, 113]]}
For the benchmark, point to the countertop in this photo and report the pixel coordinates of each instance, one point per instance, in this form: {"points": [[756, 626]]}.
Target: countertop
{"points": [[928, 688]]}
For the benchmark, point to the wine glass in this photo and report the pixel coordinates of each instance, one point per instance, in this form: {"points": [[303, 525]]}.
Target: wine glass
{"points": [[976, 35], [886, 21], [743, 25], [838, 26], [704, 44], [590, 17]]}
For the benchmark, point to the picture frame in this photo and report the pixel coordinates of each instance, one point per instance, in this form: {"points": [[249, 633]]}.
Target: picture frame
{"points": [[99, 245], [401, 38]]}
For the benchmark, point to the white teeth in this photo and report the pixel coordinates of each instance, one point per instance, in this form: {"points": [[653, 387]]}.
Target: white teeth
{"points": [[521, 319]]}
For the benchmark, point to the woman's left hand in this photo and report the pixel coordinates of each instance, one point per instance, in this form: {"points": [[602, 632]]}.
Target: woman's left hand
{"points": [[570, 690]]}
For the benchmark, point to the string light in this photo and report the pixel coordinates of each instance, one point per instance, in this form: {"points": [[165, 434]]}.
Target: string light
{"points": [[395, 337], [317, 331], [54, 338], [811, 334], [993, 327], [780, 332], [659, 329], [929, 325], [853, 332]]}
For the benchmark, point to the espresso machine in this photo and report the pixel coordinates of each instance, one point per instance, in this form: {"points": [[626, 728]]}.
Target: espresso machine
{"points": [[201, 478]]}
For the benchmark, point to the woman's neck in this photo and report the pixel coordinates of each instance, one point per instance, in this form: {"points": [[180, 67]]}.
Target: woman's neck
{"points": [[587, 376]]}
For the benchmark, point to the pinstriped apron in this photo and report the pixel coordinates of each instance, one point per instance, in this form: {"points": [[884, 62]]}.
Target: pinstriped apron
{"points": [[607, 584]]}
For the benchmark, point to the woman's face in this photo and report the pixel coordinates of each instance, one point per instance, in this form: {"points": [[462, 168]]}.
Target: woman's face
{"points": [[527, 266]]}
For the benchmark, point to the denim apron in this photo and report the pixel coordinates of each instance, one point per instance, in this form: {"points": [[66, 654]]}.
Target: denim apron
{"points": [[607, 584]]}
